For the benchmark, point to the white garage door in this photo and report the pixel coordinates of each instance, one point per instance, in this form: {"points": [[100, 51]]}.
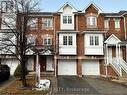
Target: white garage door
{"points": [[67, 67], [90, 68], [12, 63]]}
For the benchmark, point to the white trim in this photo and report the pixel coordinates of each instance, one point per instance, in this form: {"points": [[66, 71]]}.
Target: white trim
{"points": [[111, 37], [67, 3], [94, 5]]}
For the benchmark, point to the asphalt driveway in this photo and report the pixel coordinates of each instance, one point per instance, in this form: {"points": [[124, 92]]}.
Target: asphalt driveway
{"points": [[88, 86], [74, 85]]}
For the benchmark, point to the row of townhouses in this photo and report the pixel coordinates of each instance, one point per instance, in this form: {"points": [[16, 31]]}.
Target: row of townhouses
{"points": [[72, 42]]}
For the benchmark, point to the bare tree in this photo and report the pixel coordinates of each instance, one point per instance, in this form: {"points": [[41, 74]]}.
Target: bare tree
{"points": [[13, 38]]}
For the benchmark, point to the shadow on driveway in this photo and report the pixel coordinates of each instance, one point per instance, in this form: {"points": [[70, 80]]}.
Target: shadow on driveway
{"points": [[74, 85]]}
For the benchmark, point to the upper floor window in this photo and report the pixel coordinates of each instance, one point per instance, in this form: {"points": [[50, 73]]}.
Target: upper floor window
{"points": [[31, 40], [47, 41], [67, 19], [94, 40], [117, 23], [91, 21], [32, 23], [8, 21], [106, 23], [48, 23], [7, 6], [67, 40]]}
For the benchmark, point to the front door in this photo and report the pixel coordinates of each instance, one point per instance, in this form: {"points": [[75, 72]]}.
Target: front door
{"points": [[42, 60]]}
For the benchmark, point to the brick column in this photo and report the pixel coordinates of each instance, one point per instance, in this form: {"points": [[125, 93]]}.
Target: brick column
{"points": [[79, 68]]}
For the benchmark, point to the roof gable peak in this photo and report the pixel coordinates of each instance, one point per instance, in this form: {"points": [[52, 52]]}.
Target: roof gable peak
{"points": [[67, 4], [94, 5]]}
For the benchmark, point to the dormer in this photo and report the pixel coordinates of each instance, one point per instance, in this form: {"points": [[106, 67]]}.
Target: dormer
{"points": [[67, 12], [91, 14]]}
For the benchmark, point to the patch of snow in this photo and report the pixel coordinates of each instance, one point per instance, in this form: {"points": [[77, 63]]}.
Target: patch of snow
{"points": [[43, 85]]}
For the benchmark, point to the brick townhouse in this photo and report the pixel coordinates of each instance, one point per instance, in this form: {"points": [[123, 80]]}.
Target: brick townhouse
{"points": [[72, 42]]}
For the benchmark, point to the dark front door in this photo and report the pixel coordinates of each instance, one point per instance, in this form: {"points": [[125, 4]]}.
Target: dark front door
{"points": [[42, 60], [113, 51]]}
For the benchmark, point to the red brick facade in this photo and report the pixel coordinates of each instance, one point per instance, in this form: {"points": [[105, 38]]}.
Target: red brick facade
{"points": [[80, 25]]}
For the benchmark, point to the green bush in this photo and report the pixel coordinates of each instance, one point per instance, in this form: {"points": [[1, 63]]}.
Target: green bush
{"points": [[18, 71]]}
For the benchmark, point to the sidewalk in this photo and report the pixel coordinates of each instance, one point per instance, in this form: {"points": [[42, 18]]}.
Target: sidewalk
{"points": [[7, 83]]}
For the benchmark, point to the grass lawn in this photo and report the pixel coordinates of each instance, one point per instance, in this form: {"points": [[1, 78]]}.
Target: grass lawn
{"points": [[15, 88]]}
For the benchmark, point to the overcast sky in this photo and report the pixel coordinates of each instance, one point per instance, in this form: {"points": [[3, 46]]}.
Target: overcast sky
{"points": [[105, 5]]}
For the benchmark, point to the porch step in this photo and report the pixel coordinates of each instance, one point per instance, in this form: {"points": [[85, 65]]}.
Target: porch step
{"points": [[43, 74]]}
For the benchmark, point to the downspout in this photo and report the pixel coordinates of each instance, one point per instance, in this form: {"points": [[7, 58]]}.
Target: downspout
{"points": [[77, 22], [125, 27], [125, 34]]}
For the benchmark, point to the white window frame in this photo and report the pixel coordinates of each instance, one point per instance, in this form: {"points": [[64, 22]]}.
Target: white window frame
{"points": [[47, 22], [117, 23], [106, 23], [47, 41], [91, 21], [67, 20], [94, 40], [69, 40]]}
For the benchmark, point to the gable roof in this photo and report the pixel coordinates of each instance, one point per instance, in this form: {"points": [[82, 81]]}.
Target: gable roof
{"points": [[111, 38], [67, 3], [94, 5]]}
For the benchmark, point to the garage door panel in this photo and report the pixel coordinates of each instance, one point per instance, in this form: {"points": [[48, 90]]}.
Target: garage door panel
{"points": [[66, 67], [90, 68]]}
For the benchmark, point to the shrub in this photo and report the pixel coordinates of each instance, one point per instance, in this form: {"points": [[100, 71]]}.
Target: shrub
{"points": [[4, 72], [18, 71]]}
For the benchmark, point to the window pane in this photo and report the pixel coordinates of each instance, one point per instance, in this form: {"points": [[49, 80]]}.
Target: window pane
{"points": [[49, 41], [93, 21], [45, 41], [96, 40], [70, 40], [64, 40], [106, 24], [69, 19], [88, 21], [47, 23], [91, 40], [64, 19], [117, 23]]}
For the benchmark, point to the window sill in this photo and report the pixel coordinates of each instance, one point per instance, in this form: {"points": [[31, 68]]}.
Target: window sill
{"points": [[117, 29], [91, 26]]}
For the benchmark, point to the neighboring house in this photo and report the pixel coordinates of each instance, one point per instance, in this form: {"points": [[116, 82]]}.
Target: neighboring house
{"points": [[72, 42]]}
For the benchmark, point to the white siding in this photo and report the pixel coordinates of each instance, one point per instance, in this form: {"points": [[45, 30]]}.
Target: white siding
{"points": [[67, 50], [95, 49], [67, 67], [12, 63], [67, 11], [8, 21], [90, 68], [10, 41]]}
